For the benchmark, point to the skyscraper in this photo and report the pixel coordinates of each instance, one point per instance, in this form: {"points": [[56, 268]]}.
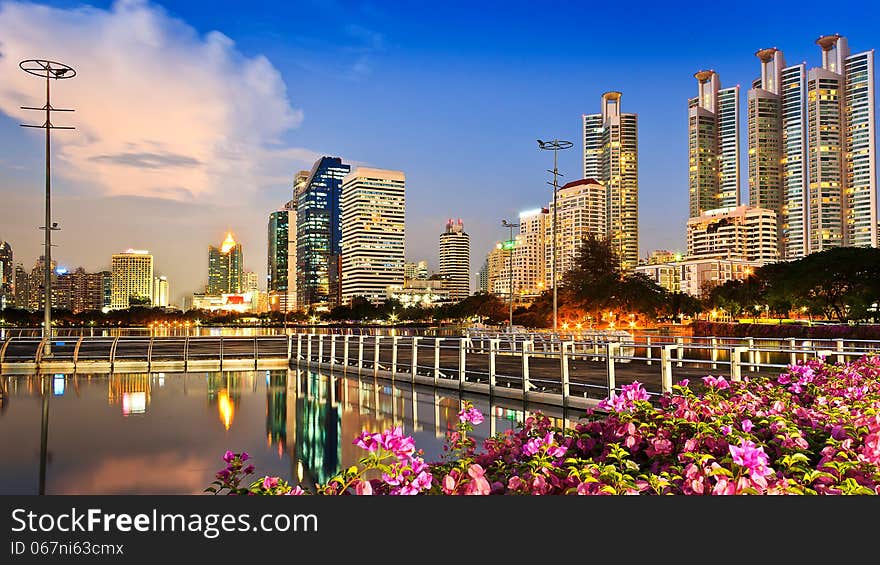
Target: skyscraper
{"points": [[79, 291], [281, 256], [132, 275], [455, 260], [582, 211], [225, 267], [611, 157], [713, 145], [318, 234], [160, 291], [529, 256], [372, 210], [7, 274]]}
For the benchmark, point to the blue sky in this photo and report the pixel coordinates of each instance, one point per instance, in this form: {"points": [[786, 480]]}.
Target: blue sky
{"points": [[452, 93]]}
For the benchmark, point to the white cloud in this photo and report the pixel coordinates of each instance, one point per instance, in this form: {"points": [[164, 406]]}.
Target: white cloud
{"points": [[161, 111]]}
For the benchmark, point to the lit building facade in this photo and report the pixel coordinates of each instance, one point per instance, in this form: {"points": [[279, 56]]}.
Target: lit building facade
{"points": [[319, 235], [743, 232], [132, 276], [666, 274], [419, 292], [529, 254], [455, 260], [281, 256], [581, 212], [225, 266], [79, 291], [372, 217], [7, 275], [713, 145], [160, 292], [498, 269], [611, 158], [415, 270]]}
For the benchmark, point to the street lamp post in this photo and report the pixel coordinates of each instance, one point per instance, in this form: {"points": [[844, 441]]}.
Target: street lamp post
{"points": [[48, 70], [554, 146], [512, 244]]}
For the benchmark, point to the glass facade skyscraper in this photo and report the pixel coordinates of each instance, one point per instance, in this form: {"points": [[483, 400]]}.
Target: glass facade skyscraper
{"points": [[225, 268], [319, 235]]}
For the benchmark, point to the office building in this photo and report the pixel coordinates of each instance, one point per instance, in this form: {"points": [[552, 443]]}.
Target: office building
{"points": [[132, 276], [420, 292], [744, 233], [225, 267], [318, 235], [372, 212], [415, 270], [21, 289], [611, 158], [482, 278], [455, 260], [281, 257], [713, 145], [529, 254]]}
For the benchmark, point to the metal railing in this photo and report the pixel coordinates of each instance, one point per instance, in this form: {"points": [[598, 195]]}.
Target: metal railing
{"points": [[27, 351], [585, 367]]}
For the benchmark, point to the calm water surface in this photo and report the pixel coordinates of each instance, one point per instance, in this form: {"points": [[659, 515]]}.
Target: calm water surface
{"points": [[165, 433]]}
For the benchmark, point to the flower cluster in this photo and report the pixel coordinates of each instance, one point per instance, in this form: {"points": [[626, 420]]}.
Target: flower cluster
{"points": [[815, 429]]}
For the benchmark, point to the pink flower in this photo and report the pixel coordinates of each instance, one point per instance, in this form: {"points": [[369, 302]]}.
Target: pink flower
{"points": [[753, 458], [228, 456], [367, 441], [747, 425], [295, 491], [684, 383], [870, 452], [478, 484], [725, 429], [448, 485], [515, 483], [471, 415], [363, 488], [270, 482]]}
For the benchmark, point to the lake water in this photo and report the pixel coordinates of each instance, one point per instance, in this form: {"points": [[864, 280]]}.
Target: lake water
{"points": [[165, 433]]}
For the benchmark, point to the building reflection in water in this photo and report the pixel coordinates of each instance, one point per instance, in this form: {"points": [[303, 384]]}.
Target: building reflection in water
{"points": [[325, 414], [225, 389], [130, 390], [276, 410]]}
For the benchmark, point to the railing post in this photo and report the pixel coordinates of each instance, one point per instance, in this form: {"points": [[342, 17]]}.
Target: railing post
{"points": [[320, 348], [414, 362], [680, 349], [309, 349], [493, 349], [610, 351], [332, 349], [792, 347], [256, 351], [648, 349], [436, 360], [185, 354], [462, 361], [299, 344], [666, 368], [840, 357], [221, 352], [289, 347], [736, 363], [751, 343], [360, 363], [806, 345], [149, 356], [345, 340], [714, 352], [527, 347], [376, 348], [394, 340]]}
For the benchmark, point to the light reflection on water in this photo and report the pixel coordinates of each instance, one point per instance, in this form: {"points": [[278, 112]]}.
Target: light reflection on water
{"points": [[166, 432]]}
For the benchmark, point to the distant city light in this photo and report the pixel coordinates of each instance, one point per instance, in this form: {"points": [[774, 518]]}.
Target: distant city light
{"points": [[534, 212], [61, 271]]}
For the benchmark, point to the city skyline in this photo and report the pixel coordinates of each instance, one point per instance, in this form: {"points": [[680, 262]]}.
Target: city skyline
{"points": [[447, 176]]}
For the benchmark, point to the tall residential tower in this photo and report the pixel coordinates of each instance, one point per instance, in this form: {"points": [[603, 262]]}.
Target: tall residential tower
{"points": [[455, 260], [611, 157]]}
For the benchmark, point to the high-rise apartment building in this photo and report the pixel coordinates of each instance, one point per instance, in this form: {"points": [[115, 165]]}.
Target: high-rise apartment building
{"points": [[79, 291], [21, 288], [160, 291], [372, 212], [713, 145], [581, 212], [482, 277], [498, 269], [250, 281], [529, 254], [132, 276], [455, 260], [611, 158], [281, 278], [744, 232], [318, 234], [225, 267]]}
